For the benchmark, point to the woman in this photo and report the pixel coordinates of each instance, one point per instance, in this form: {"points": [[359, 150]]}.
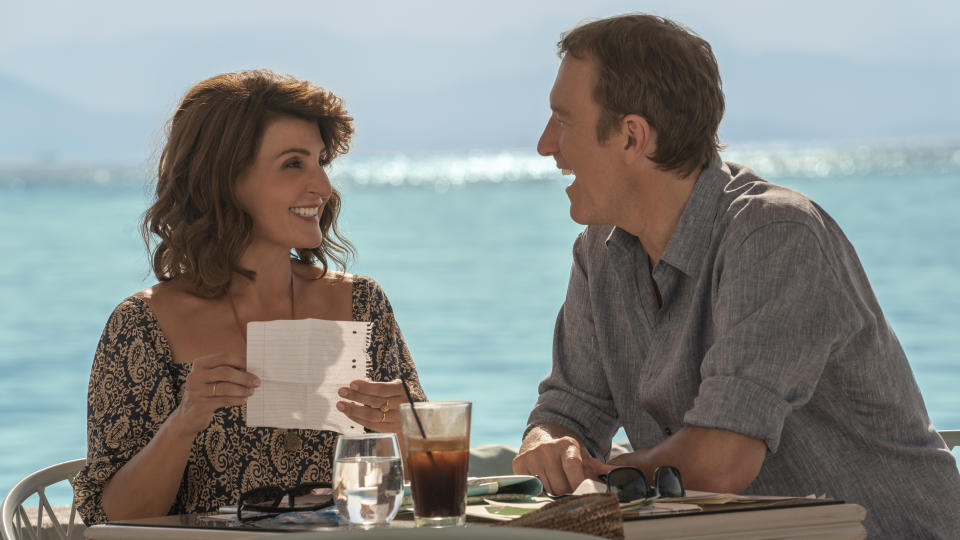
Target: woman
{"points": [[245, 226]]}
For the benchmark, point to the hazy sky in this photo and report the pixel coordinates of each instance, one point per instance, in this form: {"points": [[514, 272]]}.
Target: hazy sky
{"points": [[453, 76]]}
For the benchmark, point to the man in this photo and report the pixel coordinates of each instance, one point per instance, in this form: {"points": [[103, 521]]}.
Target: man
{"points": [[724, 322]]}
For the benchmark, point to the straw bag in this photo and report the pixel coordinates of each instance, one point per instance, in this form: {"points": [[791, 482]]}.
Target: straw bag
{"points": [[597, 514]]}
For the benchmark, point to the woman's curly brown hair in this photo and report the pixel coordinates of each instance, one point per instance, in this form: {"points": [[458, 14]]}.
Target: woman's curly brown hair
{"points": [[195, 228]]}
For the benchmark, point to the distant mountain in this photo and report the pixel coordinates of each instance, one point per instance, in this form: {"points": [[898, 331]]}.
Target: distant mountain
{"points": [[38, 126], [472, 97]]}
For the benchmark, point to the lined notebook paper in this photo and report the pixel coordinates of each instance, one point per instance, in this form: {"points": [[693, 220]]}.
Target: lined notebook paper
{"points": [[301, 365]]}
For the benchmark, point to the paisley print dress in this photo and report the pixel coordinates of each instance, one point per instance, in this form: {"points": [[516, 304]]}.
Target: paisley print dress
{"points": [[135, 385]]}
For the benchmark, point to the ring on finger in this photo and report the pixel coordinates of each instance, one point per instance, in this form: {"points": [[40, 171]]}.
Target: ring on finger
{"points": [[214, 392], [385, 408]]}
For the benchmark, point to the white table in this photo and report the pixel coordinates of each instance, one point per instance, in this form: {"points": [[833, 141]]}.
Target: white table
{"points": [[835, 521]]}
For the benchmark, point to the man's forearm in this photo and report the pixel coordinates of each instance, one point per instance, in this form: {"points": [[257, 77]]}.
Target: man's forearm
{"points": [[544, 433], [714, 460]]}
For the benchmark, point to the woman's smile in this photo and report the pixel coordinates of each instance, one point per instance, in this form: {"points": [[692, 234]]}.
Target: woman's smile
{"points": [[307, 213]]}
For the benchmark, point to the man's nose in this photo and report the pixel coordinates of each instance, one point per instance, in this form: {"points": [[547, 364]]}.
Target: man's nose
{"points": [[547, 145]]}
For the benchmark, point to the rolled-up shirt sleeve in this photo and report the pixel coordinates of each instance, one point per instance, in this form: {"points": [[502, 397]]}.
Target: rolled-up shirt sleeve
{"points": [[575, 394], [779, 311]]}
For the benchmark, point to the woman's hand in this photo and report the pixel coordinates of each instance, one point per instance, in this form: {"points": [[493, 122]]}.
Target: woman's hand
{"points": [[374, 405], [147, 484], [216, 381]]}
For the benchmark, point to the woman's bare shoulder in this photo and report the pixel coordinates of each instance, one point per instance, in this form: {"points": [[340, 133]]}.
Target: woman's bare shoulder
{"points": [[172, 297], [330, 293], [330, 278]]}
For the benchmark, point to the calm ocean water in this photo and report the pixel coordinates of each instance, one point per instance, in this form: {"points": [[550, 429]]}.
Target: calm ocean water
{"points": [[473, 251]]}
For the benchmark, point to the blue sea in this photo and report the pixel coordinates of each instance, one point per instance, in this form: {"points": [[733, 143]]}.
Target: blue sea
{"points": [[473, 249]]}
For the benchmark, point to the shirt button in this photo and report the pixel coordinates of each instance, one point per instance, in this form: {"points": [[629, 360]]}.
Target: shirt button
{"points": [[291, 441], [668, 431]]}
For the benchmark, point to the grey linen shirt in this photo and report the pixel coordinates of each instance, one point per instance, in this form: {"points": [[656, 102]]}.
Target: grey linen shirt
{"points": [[768, 328]]}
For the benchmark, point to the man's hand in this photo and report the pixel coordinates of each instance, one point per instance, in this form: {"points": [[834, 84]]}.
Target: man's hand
{"points": [[555, 456]]}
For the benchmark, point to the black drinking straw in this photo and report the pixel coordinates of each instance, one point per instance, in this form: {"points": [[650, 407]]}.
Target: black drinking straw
{"points": [[413, 409], [416, 417]]}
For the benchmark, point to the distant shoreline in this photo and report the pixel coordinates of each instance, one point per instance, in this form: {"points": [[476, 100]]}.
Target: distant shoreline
{"points": [[777, 160]]}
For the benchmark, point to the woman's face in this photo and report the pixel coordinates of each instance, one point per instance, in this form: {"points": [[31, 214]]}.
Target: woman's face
{"points": [[285, 188]]}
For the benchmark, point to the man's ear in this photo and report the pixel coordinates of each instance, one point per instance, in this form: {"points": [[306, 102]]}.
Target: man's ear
{"points": [[639, 137]]}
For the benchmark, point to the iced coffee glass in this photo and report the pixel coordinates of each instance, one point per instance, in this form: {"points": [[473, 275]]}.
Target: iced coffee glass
{"points": [[437, 459]]}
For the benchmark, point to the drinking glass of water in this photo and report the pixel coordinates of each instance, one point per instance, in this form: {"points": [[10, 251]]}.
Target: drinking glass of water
{"points": [[367, 479]]}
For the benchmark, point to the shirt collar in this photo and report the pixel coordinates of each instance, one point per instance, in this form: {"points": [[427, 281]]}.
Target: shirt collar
{"points": [[691, 237], [620, 238]]}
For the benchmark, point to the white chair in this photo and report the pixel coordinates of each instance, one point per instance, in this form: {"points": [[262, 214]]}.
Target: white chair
{"points": [[951, 437], [16, 521]]}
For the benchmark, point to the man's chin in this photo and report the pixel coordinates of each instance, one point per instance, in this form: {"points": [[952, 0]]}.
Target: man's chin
{"points": [[578, 213], [578, 216], [583, 217]]}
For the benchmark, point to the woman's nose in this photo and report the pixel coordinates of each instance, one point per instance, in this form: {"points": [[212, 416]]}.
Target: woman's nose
{"points": [[320, 184]]}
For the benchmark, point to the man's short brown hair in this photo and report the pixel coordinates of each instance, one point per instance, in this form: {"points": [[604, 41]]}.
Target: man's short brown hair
{"points": [[658, 69], [195, 226]]}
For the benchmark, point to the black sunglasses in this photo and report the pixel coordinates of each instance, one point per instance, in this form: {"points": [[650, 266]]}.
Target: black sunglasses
{"points": [[268, 501], [630, 484]]}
